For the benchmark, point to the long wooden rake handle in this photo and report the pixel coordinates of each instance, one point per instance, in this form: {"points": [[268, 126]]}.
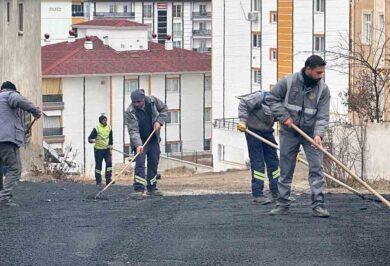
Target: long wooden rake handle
{"points": [[373, 191], [300, 159], [124, 169]]}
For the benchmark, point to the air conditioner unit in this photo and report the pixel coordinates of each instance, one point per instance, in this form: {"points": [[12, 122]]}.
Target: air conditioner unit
{"points": [[253, 16]]}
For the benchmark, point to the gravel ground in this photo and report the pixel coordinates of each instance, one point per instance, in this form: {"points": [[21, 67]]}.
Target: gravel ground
{"points": [[56, 225]]}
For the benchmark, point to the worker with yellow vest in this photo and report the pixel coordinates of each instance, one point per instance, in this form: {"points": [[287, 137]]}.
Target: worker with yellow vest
{"points": [[102, 137]]}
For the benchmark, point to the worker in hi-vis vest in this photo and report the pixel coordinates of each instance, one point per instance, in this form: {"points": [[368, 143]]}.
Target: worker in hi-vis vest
{"points": [[102, 137]]}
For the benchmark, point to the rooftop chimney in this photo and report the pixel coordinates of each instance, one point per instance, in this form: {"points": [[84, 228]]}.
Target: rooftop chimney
{"points": [[47, 38], [105, 40], [168, 43], [154, 38], [71, 37], [88, 44]]}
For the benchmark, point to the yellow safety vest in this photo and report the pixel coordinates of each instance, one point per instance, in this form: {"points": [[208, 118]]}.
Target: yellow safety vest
{"points": [[103, 137]]}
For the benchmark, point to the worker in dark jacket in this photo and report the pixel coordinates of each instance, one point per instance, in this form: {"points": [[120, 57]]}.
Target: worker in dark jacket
{"points": [[101, 136], [302, 99], [255, 115], [12, 136], [145, 114]]}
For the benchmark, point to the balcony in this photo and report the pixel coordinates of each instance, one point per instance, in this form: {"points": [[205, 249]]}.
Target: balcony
{"points": [[53, 135], [201, 15], [227, 123], [77, 13], [202, 49], [52, 102], [201, 33], [128, 15]]}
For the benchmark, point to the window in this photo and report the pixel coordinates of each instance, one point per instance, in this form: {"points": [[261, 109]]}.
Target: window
{"points": [[256, 5], [257, 76], [173, 85], [202, 25], [176, 11], [203, 9], [207, 144], [125, 10], [131, 85], [256, 37], [177, 44], [273, 54], [273, 17], [8, 11], [113, 8], [367, 28], [173, 117], [177, 32], [20, 17], [319, 6], [172, 147], [148, 11], [207, 114], [319, 43], [77, 10], [207, 83]]}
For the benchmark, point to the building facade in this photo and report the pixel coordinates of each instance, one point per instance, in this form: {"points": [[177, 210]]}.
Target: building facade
{"points": [[187, 22], [84, 78], [20, 63], [370, 35], [264, 41]]}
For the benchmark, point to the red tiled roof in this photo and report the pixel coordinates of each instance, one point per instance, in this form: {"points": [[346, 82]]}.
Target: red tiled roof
{"points": [[110, 23], [71, 59]]}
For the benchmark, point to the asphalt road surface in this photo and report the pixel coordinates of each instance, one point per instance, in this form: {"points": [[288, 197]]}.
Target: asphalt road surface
{"points": [[56, 225]]}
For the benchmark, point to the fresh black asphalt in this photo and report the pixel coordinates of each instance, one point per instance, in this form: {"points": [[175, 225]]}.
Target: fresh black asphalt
{"points": [[56, 225]]}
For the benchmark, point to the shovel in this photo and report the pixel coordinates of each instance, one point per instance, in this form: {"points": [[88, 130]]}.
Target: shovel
{"points": [[334, 159], [98, 195], [299, 159]]}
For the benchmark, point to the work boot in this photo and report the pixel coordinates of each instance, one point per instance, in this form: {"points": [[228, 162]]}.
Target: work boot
{"points": [[279, 210], [320, 211], [154, 193], [274, 197], [263, 200]]}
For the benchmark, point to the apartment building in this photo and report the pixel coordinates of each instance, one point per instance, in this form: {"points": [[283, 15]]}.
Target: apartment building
{"points": [[369, 34], [257, 42], [20, 63], [96, 73], [187, 22]]}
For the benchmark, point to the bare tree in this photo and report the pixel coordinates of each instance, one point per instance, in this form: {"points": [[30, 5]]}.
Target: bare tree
{"points": [[368, 69]]}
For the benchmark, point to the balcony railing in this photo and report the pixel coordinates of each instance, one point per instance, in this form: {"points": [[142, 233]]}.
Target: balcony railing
{"points": [[77, 13], [202, 33], [227, 123], [114, 14], [54, 131], [201, 14], [52, 102], [203, 49]]}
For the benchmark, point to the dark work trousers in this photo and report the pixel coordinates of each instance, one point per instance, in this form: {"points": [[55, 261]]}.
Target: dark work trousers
{"points": [[261, 156], [99, 156], [152, 154], [9, 155]]}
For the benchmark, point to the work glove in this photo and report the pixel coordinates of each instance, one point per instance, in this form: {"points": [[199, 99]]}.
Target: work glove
{"points": [[241, 126]]}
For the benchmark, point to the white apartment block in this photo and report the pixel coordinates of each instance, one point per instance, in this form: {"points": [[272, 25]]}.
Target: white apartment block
{"points": [[257, 42], [188, 22], [85, 77]]}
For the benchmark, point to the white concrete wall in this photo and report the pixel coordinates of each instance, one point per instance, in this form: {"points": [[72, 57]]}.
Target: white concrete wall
{"points": [[120, 39], [378, 145], [56, 20], [236, 152], [187, 12]]}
